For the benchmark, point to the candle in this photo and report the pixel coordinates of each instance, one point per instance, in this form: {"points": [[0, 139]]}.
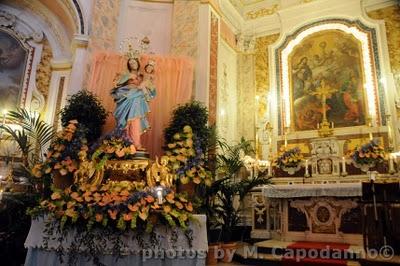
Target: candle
{"points": [[391, 164], [317, 125], [306, 173], [332, 125], [269, 168], [343, 165], [285, 140], [159, 195]]}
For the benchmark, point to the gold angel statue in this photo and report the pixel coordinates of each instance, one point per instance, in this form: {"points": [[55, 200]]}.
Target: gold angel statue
{"points": [[160, 174]]}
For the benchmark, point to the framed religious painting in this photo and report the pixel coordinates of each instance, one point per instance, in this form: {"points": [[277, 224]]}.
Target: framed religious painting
{"points": [[13, 63], [329, 68], [330, 59]]}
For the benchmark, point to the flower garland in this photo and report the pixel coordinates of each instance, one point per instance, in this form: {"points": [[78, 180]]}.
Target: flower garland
{"points": [[186, 158], [289, 158], [123, 205], [368, 153]]}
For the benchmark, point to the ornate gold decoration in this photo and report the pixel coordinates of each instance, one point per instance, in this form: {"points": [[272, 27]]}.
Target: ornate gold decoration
{"points": [[262, 12], [160, 174], [324, 91], [127, 165], [391, 16], [43, 73], [262, 69]]}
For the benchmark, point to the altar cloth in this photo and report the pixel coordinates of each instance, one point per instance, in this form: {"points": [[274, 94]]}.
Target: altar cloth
{"points": [[166, 253], [312, 190]]}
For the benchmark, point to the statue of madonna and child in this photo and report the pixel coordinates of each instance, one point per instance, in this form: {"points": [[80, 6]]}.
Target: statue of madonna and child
{"points": [[132, 92]]}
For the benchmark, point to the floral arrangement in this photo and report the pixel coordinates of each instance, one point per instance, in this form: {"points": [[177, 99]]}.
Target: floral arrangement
{"points": [[114, 146], [289, 158], [105, 212], [63, 154], [186, 158], [123, 205], [368, 154]]}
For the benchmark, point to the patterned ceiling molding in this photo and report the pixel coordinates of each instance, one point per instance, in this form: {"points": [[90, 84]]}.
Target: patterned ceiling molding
{"points": [[262, 12]]}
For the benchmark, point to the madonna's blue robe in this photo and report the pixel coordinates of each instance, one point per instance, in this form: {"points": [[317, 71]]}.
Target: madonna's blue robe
{"points": [[132, 102]]}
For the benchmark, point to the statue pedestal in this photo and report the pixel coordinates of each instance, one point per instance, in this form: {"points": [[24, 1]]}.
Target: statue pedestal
{"points": [[129, 170]]}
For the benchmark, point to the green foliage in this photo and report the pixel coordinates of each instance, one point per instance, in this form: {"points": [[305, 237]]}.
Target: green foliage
{"points": [[228, 158], [219, 198], [85, 107], [193, 114], [33, 136]]}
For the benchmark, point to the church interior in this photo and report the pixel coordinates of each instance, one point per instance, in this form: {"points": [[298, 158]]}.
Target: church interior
{"points": [[200, 132]]}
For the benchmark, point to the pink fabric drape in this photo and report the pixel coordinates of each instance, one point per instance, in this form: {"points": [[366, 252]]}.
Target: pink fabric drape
{"points": [[173, 80]]}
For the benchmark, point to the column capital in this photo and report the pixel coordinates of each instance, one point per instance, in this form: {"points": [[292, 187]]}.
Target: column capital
{"points": [[80, 41], [60, 64]]}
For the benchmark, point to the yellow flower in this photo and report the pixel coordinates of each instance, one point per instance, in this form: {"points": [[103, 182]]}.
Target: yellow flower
{"points": [[144, 214], [189, 207], [99, 217], [71, 213], [179, 205], [167, 208], [171, 145], [149, 199], [187, 129], [55, 196], [196, 180], [127, 216], [113, 214], [120, 153], [184, 180]]}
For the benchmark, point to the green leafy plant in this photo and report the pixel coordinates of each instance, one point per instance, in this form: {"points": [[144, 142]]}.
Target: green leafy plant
{"points": [[219, 198], [32, 136], [193, 114], [85, 107]]}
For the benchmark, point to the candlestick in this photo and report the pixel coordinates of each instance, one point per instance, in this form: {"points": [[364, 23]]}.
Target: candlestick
{"points": [[344, 173]]}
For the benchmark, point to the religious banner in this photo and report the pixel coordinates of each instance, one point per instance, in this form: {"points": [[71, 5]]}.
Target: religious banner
{"points": [[332, 60]]}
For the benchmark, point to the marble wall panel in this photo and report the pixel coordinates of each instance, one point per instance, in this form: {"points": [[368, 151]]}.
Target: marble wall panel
{"points": [[185, 28]]}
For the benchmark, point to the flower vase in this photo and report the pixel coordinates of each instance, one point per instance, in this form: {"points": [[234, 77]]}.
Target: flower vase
{"points": [[364, 167], [291, 170]]}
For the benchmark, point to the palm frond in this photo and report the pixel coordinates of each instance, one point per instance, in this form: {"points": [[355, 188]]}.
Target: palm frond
{"points": [[39, 132], [20, 137]]}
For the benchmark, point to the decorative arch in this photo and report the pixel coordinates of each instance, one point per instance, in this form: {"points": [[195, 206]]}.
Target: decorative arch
{"points": [[366, 36], [80, 16]]}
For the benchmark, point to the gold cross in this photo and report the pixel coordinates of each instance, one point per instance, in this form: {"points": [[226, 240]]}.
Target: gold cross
{"points": [[324, 91]]}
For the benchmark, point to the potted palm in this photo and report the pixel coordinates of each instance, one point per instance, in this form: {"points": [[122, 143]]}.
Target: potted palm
{"points": [[230, 190]]}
